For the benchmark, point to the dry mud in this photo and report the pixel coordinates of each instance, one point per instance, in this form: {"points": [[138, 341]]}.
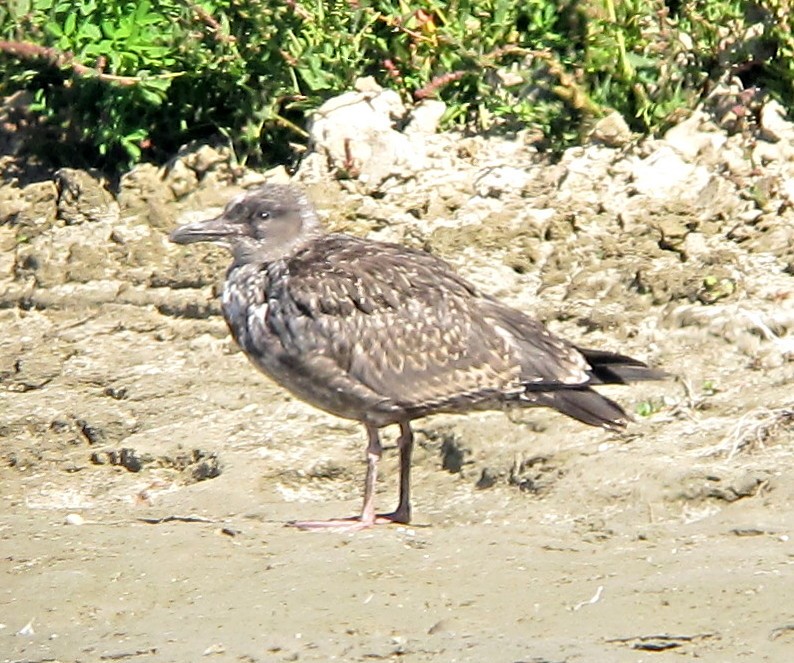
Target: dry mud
{"points": [[147, 470]]}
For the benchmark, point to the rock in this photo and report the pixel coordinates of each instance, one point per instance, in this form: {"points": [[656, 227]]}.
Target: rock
{"points": [[181, 179], [489, 477], [787, 190], [454, 455], [612, 131], [745, 485], [695, 246], [130, 459], [493, 182], [205, 466], [425, 117], [202, 158], [143, 197], [355, 138], [195, 163], [32, 209], [716, 285], [32, 371], [773, 123], [8, 245], [367, 84], [695, 135], [765, 153], [673, 228], [88, 262], [774, 236], [664, 174], [83, 197]]}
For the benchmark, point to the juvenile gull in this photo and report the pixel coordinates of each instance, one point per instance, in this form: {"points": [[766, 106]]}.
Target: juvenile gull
{"points": [[383, 334]]}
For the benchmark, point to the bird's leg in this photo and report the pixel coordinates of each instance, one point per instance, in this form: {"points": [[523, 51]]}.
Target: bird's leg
{"points": [[406, 444], [374, 451], [367, 517]]}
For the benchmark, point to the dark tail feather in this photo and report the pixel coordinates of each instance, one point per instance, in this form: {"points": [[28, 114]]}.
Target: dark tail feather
{"points": [[586, 405], [613, 368]]}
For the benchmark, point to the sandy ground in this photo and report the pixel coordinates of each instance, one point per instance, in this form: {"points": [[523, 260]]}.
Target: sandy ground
{"points": [[148, 472], [648, 545]]}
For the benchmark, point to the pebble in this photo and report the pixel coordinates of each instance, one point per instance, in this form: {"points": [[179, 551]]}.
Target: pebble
{"points": [[74, 519]]}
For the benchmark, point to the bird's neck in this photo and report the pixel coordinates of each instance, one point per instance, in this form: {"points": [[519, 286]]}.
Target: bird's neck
{"points": [[246, 253]]}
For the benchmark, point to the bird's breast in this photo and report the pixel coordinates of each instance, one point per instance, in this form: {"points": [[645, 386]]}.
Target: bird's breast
{"points": [[264, 325], [244, 299]]}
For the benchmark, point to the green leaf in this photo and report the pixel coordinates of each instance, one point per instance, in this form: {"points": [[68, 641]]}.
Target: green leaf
{"points": [[70, 24], [87, 7], [54, 30], [89, 31]]}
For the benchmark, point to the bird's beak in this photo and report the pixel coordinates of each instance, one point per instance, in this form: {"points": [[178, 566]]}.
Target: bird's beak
{"points": [[210, 230]]}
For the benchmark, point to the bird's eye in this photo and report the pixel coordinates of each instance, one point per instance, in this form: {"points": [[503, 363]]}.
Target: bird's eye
{"points": [[263, 215]]}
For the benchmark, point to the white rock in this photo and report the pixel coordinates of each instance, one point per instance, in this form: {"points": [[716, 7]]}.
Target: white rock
{"points": [[765, 153], [695, 135], [505, 179], [354, 134], [367, 84], [774, 126], [695, 245], [27, 629], [750, 215], [787, 190], [426, 117], [74, 519], [665, 174], [540, 216]]}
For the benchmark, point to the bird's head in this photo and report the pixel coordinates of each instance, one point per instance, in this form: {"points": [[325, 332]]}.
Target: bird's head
{"points": [[261, 225]]}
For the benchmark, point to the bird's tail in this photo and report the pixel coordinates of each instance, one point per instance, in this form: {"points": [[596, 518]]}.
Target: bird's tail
{"points": [[587, 405], [613, 368], [584, 404]]}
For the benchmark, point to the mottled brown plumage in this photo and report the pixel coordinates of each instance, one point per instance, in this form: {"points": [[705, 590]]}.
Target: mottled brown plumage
{"points": [[383, 334]]}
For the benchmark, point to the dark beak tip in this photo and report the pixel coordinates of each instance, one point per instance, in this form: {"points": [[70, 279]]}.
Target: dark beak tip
{"points": [[179, 235]]}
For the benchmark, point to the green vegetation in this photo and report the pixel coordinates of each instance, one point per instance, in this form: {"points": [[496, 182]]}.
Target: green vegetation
{"points": [[649, 407], [118, 81]]}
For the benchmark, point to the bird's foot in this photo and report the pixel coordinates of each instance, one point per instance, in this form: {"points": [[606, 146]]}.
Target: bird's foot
{"points": [[354, 524]]}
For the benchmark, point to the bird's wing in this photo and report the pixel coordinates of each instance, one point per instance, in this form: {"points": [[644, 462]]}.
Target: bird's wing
{"points": [[404, 325], [547, 361], [398, 321]]}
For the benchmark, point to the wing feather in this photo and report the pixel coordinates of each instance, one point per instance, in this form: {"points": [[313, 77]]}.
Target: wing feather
{"points": [[403, 325], [412, 332]]}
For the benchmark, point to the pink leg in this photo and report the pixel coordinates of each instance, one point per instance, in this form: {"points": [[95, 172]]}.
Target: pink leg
{"points": [[368, 517], [374, 452]]}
